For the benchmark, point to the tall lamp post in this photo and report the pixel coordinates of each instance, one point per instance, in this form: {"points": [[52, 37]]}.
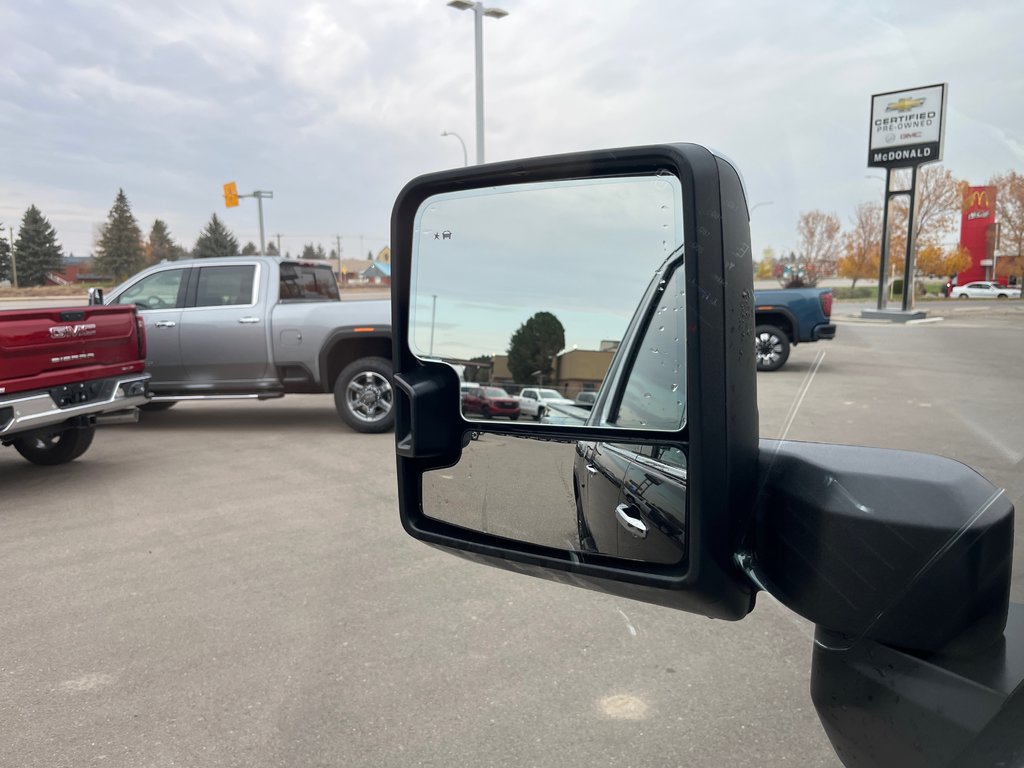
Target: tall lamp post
{"points": [[465, 156], [479, 11]]}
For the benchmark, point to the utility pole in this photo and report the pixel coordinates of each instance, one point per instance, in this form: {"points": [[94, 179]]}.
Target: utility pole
{"points": [[279, 251], [14, 260], [338, 240]]}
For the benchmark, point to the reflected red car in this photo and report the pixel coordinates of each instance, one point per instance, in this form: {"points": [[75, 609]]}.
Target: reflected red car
{"points": [[489, 402]]}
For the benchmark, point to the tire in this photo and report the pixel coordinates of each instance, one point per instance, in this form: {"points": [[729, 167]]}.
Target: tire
{"points": [[515, 418], [54, 448], [486, 412], [963, 296], [364, 397], [771, 348], [163, 405], [539, 415], [1001, 296]]}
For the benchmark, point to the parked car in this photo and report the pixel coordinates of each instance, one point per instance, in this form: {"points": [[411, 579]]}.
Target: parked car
{"points": [[585, 400], [262, 327], [985, 290], [62, 371], [534, 401], [489, 402]]}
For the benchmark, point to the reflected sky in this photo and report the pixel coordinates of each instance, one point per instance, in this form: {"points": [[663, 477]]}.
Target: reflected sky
{"points": [[485, 261]]}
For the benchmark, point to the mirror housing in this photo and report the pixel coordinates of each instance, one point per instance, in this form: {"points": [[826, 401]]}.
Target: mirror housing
{"points": [[720, 434], [96, 297]]}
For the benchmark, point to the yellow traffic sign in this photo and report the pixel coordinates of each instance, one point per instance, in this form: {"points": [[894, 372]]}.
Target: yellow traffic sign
{"points": [[231, 194]]}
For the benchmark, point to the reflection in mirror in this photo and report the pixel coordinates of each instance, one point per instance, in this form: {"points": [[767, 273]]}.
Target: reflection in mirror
{"points": [[619, 499], [532, 286]]}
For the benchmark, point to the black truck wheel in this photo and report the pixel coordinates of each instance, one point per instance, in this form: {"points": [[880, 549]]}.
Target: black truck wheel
{"points": [[771, 348], [364, 396], [51, 448]]}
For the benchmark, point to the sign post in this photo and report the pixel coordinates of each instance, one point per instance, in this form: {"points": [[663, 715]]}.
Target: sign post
{"points": [[906, 131], [231, 200]]}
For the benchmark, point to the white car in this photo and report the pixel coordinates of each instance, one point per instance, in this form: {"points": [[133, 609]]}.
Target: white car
{"points": [[534, 401], [983, 290]]}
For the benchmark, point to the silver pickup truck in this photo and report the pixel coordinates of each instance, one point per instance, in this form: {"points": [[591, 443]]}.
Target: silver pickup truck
{"points": [[261, 327]]}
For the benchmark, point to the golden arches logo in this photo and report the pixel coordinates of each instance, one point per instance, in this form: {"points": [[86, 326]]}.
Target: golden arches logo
{"points": [[976, 197]]}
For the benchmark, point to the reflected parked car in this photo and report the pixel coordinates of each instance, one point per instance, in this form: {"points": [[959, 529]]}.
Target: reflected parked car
{"points": [[585, 400], [489, 402], [985, 290]]}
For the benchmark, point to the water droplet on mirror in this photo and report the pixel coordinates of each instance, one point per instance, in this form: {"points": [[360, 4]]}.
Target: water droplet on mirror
{"points": [[661, 328], [647, 395], [675, 387]]}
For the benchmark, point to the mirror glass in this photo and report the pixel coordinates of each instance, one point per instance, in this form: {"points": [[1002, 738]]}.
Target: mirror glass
{"points": [[626, 500], [528, 291]]}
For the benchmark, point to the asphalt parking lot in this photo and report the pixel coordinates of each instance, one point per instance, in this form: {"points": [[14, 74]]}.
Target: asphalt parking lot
{"points": [[227, 584]]}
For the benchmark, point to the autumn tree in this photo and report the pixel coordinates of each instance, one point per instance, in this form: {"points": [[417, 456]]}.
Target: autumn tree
{"points": [[161, 246], [534, 345], [933, 259], [1010, 215], [818, 237], [215, 241], [937, 203], [861, 247], [765, 268], [36, 250]]}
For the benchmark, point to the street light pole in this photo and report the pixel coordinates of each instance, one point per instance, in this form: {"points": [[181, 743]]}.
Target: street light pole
{"points": [[465, 155], [479, 11]]}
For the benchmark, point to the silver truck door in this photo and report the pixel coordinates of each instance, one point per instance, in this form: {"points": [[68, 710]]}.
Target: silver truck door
{"points": [[160, 297], [224, 325]]}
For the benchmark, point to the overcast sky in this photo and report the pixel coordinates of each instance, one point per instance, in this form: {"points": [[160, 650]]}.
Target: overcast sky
{"points": [[334, 106]]}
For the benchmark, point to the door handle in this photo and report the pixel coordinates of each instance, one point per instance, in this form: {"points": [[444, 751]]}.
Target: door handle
{"points": [[248, 320], [626, 515], [591, 469], [164, 324]]}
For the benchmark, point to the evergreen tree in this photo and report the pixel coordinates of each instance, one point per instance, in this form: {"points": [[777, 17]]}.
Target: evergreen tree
{"points": [[308, 252], [37, 250], [534, 345], [119, 252], [215, 241], [319, 253], [161, 246], [6, 273], [250, 249], [272, 249]]}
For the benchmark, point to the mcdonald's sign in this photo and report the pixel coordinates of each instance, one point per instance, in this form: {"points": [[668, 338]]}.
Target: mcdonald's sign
{"points": [[979, 204]]}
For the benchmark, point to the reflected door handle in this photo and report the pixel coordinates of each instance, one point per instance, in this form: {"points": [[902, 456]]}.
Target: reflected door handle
{"points": [[248, 320], [164, 324], [591, 469], [626, 515]]}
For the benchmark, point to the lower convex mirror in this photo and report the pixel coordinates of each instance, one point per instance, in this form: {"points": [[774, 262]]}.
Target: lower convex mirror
{"points": [[626, 500]]}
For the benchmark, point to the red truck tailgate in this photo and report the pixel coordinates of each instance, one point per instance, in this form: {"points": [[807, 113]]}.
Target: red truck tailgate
{"points": [[48, 347]]}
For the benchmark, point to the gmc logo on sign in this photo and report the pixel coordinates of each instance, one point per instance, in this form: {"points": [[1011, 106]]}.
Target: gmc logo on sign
{"points": [[72, 331]]}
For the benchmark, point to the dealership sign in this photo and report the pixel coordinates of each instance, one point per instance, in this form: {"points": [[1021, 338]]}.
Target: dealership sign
{"points": [[907, 127]]}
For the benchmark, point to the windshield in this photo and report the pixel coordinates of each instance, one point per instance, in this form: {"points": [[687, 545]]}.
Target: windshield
{"points": [[226, 582], [495, 392]]}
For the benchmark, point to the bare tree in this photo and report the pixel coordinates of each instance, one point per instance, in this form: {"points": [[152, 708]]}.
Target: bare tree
{"points": [[818, 235]]}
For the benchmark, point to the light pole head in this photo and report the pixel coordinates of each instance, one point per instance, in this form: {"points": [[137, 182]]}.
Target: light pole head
{"points": [[461, 5], [495, 13]]}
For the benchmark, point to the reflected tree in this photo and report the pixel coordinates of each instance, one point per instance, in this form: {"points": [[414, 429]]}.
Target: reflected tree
{"points": [[533, 347]]}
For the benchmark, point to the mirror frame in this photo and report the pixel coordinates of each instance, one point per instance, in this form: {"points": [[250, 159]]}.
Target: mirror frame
{"points": [[721, 429]]}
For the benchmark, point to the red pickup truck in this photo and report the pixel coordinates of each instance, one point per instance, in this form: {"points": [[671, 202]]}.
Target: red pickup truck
{"points": [[64, 370]]}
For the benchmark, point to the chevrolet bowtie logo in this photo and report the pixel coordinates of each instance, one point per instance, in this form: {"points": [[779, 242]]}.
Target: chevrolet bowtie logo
{"points": [[904, 105]]}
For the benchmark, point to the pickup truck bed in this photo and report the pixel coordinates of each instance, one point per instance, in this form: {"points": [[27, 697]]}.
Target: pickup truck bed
{"points": [[787, 317], [62, 369]]}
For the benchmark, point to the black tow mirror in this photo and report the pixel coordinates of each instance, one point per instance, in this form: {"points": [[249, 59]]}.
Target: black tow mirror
{"points": [[529, 275], [95, 297]]}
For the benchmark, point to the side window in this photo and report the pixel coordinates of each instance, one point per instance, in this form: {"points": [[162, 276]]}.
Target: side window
{"points": [[225, 286], [654, 395], [156, 291]]}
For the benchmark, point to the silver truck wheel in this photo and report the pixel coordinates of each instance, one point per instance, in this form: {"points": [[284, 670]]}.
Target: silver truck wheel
{"points": [[771, 348], [55, 447], [364, 397]]}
